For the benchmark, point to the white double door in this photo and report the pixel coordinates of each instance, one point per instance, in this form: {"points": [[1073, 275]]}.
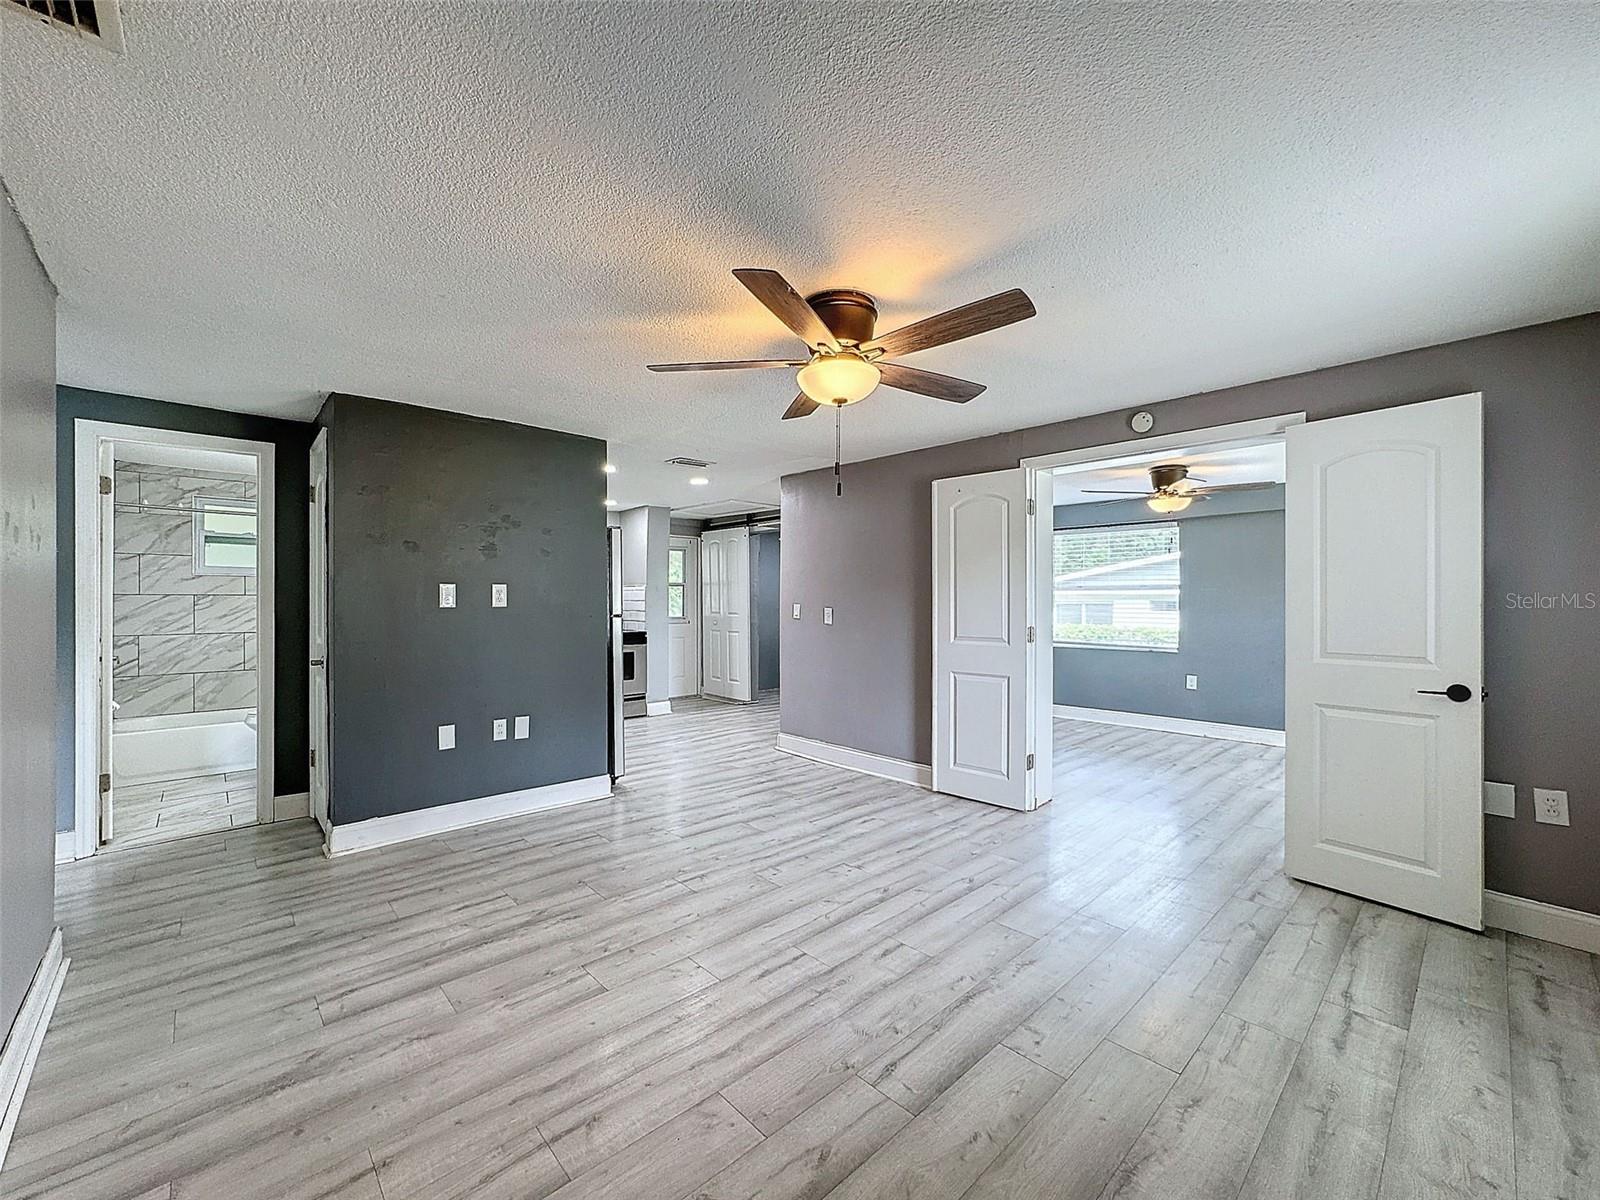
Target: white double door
{"points": [[725, 614], [1384, 687], [1384, 652]]}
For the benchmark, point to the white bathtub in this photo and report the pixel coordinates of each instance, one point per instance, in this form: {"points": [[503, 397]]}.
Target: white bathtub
{"points": [[179, 745]]}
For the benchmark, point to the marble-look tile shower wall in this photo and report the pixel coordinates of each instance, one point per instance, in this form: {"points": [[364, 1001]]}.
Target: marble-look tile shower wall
{"points": [[181, 642]]}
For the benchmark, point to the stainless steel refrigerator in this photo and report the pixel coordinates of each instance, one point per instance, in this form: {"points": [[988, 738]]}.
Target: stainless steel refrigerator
{"points": [[614, 645]]}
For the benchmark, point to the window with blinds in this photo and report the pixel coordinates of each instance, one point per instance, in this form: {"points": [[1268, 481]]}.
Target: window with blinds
{"points": [[1117, 587]]}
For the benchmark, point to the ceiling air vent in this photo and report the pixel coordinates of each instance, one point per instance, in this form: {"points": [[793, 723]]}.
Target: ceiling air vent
{"points": [[689, 462], [97, 21]]}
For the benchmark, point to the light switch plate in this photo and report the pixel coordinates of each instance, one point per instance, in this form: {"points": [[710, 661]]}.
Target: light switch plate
{"points": [[447, 737], [1499, 799], [1192, 682], [499, 729], [497, 595], [796, 612], [521, 728], [827, 616], [447, 595], [1550, 806]]}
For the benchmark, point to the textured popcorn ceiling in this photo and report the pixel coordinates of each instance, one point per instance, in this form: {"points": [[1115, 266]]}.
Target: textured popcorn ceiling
{"points": [[509, 209]]}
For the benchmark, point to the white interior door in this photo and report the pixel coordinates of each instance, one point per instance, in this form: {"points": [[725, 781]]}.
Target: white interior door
{"points": [[982, 710], [1384, 611], [319, 629], [683, 628], [725, 567], [106, 706]]}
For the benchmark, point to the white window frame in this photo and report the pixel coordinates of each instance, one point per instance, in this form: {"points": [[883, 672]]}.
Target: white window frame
{"points": [[683, 587], [200, 504], [1176, 527]]}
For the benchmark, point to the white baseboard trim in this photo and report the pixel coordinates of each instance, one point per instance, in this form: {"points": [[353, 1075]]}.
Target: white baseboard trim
{"points": [[1210, 729], [27, 1035], [291, 807], [658, 708], [1547, 922], [864, 761], [66, 846], [404, 827]]}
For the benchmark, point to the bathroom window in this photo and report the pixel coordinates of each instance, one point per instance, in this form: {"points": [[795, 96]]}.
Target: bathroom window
{"points": [[224, 536]]}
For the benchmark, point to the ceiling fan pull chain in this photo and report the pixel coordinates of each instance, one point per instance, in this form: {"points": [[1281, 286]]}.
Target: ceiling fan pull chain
{"points": [[838, 420]]}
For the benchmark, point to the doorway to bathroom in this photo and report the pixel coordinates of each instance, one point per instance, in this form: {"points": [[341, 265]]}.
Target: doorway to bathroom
{"points": [[174, 635]]}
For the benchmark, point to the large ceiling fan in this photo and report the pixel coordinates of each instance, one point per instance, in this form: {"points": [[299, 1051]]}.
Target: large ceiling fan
{"points": [[1173, 488], [846, 360]]}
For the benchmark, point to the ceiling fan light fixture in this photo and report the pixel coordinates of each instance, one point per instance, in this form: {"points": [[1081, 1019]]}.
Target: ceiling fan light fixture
{"points": [[838, 379], [1168, 504]]}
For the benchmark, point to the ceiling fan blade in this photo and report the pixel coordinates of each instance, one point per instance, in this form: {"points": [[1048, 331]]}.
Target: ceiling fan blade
{"points": [[787, 305], [741, 364], [1230, 487], [978, 317], [803, 406], [1109, 492], [929, 383]]}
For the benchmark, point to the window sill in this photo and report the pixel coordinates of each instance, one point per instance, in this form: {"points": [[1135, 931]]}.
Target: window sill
{"points": [[1114, 646]]}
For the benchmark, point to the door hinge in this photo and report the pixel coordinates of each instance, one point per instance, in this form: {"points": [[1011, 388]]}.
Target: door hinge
{"points": [[313, 758], [105, 485], [105, 783], [1030, 635], [1031, 509], [311, 494], [1030, 762]]}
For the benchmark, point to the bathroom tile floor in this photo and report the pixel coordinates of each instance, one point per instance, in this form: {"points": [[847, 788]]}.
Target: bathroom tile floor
{"points": [[163, 809]]}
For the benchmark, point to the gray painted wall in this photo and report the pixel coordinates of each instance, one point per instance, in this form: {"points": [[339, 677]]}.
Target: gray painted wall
{"points": [[27, 612], [865, 681], [768, 623], [292, 442], [419, 497], [1231, 620]]}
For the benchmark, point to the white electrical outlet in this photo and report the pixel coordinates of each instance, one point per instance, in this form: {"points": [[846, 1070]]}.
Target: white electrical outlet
{"points": [[827, 616], [1192, 682], [521, 728], [499, 729], [1550, 806], [447, 737], [447, 595], [1499, 799], [796, 612], [497, 595]]}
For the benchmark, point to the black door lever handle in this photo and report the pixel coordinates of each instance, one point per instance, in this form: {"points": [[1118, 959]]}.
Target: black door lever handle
{"points": [[1459, 692]]}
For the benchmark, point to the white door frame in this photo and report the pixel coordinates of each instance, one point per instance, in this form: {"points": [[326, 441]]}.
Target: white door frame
{"points": [[690, 545], [92, 586], [1041, 601]]}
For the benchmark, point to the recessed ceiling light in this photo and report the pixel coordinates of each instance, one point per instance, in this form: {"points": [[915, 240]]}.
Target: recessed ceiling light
{"points": [[609, 468], [611, 503], [699, 481]]}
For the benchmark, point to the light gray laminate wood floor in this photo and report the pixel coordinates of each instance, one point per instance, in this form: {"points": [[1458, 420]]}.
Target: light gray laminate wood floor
{"points": [[751, 975]]}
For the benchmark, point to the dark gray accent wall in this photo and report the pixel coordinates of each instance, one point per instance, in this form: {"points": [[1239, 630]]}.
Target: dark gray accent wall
{"points": [[292, 443], [865, 681], [419, 497], [27, 612], [768, 623], [1230, 619]]}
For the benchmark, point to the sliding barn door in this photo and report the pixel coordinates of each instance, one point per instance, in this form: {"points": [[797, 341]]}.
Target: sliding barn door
{"points": [[981, 679], [1383, 693]]}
